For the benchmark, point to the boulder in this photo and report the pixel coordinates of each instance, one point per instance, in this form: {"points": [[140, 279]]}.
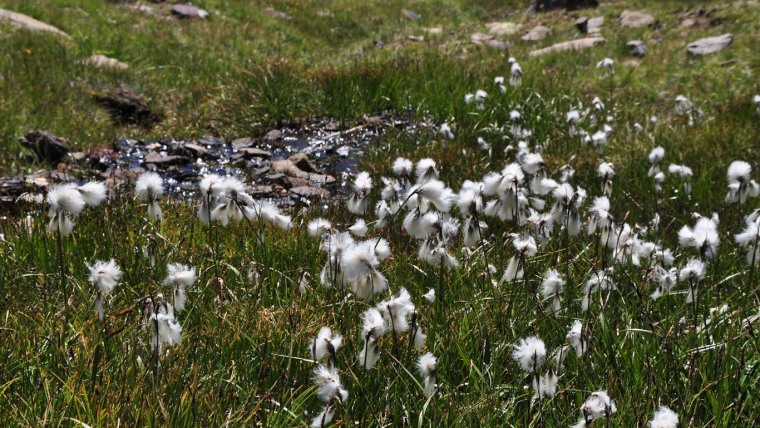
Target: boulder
{"points": [[710, 45], [30, 24], [537, 33], [637, 48], [570, 45], [635, 19], [48, 147]]}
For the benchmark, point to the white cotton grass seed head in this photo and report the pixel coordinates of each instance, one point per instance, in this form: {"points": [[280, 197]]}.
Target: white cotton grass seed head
{"points": [[530, 354], [93, 193], [319, 227], [325, 344], [597, 406], [64, 198], [664, 417], [149, 187], [402, 167], [359, 228], [739, 171], [427, 370], [430, 295], [104, 275], [328, 384], [426, 170]]}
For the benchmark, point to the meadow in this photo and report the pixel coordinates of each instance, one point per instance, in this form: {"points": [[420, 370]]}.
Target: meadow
{"points": [[567, 240]]}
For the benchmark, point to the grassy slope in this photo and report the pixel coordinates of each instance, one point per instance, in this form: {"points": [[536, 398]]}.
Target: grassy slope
{"points": [[241, 71]]}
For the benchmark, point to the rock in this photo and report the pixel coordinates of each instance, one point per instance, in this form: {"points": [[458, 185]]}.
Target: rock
{"points": [[581, 24], [480, 38], [502, 28], [287, 167], [637, 47], [594, 25], [242, 142], [102, 61], [290, 182], [48, 147], [416, 38], [277, 14], [635, 19], [165, 160], [310, 192], [537, 33], [497, 44], [209, 140], [411, 15], [273, 135], [631, 63], [141, 8], [688, 23], [28, 23], [127, 107], [570, 45], [710, 45], [433, 31], [303, 162], [196, 150], [188, 11], [253, 152]]}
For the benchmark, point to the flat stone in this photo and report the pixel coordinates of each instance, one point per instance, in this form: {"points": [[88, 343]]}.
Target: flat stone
{"points": [[595, 25], [537, 33], [196, 150], [242, 142], [571, 45], [416, 38], [497, 44], [102, 61], [253, 152], [433, 31], [47, 146], [480, 38], [290, 182], [411, 15], [635, 19], [188, 11], [710, 45], [277, 14], [273, 135], [302, 162], [287, 167], [160, 160], [637, 48], [310, 192], [503, 28], [30, 24]]}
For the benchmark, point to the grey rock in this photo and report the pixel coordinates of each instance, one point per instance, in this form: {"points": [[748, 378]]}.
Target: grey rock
{"points": [[253, 152], [242, 142], [30, 24], [278, 14], [635, 19], [537, 33], [273, 135], [160, 160], [637, 48], [503, 28], [595, 25], [411, 15], [188, 11], [480, 38], [310, 192], [102, 61], [497, 44], [710, 45], [48, 147], [570, 45], [196, 150]]}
